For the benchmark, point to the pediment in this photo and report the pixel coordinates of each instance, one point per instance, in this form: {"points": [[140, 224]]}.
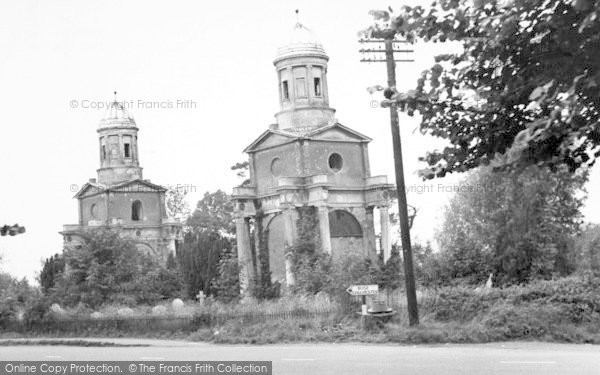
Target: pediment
{"points": [[270, 138], [136, 186], [90, 189], [337, 132]]}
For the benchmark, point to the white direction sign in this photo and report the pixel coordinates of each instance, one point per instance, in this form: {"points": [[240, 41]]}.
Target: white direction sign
{"points": [[363, 290]]}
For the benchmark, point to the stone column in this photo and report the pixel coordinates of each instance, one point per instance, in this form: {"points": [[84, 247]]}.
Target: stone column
{"points": [[324, 229], [242, 233], [171, 246], [289, 274], [386, 243], [369, 234], [290, 230]]}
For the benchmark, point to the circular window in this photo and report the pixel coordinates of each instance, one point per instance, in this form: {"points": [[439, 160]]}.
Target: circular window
{"points": [[94, 211], [138, 233], [276, 167], [336, 162]]}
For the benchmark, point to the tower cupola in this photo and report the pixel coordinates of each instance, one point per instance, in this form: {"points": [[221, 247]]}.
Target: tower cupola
{"points": [[119, 158], [301, 66]]}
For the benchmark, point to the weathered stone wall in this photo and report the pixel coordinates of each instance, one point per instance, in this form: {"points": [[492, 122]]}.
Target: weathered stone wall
{"points": [[100, 208], [344, 246], [288, 161], [120, 205], [317, 162]]}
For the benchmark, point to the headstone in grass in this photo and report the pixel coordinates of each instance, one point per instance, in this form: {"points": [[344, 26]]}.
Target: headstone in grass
{"points": [[177, 304], [126, 311], [55, 308], [200, 297], [159, 310]]}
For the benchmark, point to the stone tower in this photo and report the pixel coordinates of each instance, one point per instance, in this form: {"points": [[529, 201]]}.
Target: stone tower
{"points": [[119, 158], [120, 198], [308, 159]]}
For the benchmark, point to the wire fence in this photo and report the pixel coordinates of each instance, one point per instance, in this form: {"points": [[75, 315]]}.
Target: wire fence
{"points": [[158, 323]]}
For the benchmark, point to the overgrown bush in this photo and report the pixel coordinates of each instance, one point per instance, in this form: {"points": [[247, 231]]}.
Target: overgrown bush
{"points": [[226, 286], [572, 300], [110, 269], [15, 297]]}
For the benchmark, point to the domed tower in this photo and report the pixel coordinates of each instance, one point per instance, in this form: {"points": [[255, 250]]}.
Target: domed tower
{"points": [[301, 66], [307, 164], [120, 198], [119, 158]]}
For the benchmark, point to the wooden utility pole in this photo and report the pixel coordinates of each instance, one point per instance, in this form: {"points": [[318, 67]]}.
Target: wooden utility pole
{"points": [[409, 276]]}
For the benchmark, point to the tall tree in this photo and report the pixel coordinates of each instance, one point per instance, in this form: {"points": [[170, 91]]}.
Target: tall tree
{"points": [[213, 213], [211, 228], [51, 272], [517, 226], [526, 82]]}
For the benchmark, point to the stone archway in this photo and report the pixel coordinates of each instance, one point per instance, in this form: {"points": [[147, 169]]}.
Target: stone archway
{"points": [[346, 234]]}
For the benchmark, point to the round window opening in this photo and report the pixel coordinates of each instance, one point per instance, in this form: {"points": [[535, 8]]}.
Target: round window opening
{"points": [[276, 167], [336, 162]]}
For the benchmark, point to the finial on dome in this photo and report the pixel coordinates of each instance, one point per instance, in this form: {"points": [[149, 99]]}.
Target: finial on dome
{"points": [[297, 16], [115, 96]]}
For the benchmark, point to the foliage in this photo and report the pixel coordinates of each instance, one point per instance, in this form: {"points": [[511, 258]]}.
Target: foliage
{"points": [[263, 287], [526, 82], [15, 296], [211, 227], [587, 249], [310, 265], [242, 170], [577, 300], [51, 272], [108, 268], [213, 213], [226, 286], [199, 260], [430, 269], [177, 204], [516, 226]]}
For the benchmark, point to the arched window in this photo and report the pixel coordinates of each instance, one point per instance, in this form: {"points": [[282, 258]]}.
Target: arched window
{"points": [[343, 224], [136, 211], [94, 211]]}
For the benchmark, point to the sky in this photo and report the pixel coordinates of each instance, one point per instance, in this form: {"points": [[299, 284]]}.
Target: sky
{"points": [[200, 83]]}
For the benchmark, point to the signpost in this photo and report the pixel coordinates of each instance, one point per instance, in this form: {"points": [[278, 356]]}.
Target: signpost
{"points": [[364, 291]]}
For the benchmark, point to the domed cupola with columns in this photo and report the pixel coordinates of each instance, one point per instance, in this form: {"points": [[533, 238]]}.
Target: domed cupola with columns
{"points": [[119, 158], [301, 66], [307, 162]]}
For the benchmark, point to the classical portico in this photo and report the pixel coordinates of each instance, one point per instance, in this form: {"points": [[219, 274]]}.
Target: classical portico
{"points": [[308, 159]]}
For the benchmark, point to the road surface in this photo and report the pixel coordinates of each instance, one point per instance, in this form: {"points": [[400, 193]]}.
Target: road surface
{"points": [[498, 358]]}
